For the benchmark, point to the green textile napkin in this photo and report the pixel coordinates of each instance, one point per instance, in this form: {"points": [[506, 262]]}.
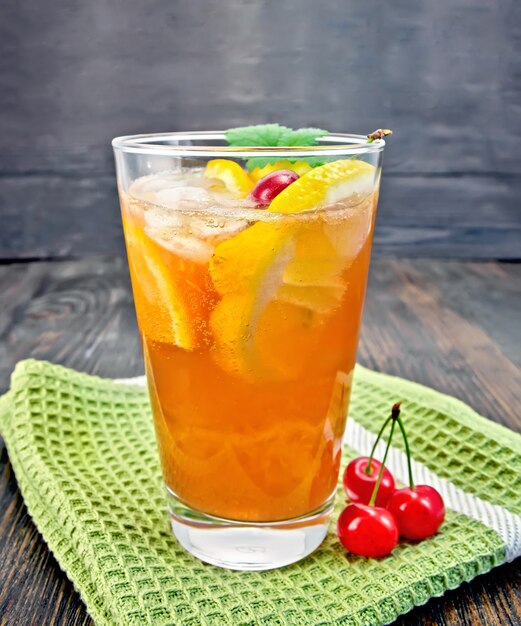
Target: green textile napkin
{"points": [[84, 455]]}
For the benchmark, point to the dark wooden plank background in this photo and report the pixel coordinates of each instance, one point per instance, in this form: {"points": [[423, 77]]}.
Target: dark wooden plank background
{"points": [[443, 74], [425, 320]]}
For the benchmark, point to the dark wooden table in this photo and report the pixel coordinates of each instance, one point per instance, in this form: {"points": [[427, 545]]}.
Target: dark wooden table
{"points": [[452, 325]]}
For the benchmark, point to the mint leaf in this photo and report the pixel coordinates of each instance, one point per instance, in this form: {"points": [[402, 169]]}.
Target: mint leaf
{"points": [[260, 135], [274, 135], [302, 137]]}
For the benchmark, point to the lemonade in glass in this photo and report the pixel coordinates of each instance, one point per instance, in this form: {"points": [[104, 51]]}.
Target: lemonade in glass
{"points": [[249, 268]]}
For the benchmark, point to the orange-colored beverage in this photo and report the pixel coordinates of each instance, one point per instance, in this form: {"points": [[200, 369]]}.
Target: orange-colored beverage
{"points": [[248, 252], [250, 321]]}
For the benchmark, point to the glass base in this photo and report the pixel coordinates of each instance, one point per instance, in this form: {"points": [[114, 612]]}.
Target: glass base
{"points": [[248, 546]]}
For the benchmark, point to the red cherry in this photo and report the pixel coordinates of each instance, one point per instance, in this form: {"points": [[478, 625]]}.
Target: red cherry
{"points": [[367, 530], [271, 185], [419, 511], [359, 486]]}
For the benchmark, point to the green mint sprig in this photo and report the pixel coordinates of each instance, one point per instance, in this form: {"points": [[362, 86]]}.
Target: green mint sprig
{"points": [[275, 135]]}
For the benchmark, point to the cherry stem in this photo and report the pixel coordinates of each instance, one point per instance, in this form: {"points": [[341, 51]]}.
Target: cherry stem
{"points": [[382, 466], [407, 451], [368, 469], [395, 411]]}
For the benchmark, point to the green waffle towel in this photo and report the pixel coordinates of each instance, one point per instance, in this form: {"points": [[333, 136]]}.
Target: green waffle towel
{"points": [[84, 455]]}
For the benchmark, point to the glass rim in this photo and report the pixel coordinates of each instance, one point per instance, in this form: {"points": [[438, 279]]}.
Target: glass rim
{"points": [[333, 144]]}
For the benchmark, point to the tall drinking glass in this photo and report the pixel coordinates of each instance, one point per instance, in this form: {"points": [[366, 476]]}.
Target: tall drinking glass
{"points": [[249, 313]]}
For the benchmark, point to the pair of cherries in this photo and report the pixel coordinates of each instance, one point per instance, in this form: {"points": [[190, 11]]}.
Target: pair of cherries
{"points": [[379, 514]]}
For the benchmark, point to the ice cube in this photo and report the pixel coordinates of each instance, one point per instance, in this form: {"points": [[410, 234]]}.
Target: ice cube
{"points": [[215, 229], [159, 182], [187, 247], [188, 213], [158, 218], [145, 188], [183, 198], [349, 228], [164, 224], [222, 199]]}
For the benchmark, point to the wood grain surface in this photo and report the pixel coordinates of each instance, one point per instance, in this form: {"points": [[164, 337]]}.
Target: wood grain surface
{"points": [[443, 75], [452, 325]]}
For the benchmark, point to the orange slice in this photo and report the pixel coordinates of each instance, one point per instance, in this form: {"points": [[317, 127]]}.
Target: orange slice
{"points": [[274, 474], [283, 275], [162, 303], [316, 261], [247, 270], [259, 311], [235, 179], [318, 299], [258, 253]]}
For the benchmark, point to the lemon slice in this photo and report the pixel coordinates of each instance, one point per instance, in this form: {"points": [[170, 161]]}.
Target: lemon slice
{"points": [[316, 261], [337, 410], [161, 303], [325, 185], [318, 299], [289, 267], [245, 260], [313, 277], [231, 174], [247, 270]]}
